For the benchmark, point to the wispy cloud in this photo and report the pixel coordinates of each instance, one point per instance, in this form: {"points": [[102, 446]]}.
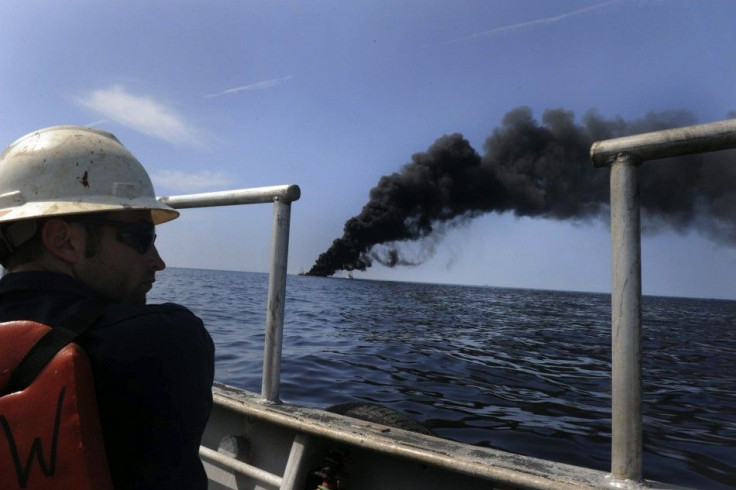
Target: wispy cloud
{"points": [[141, 113], [536, 22], [263, 85], [178, 181]]}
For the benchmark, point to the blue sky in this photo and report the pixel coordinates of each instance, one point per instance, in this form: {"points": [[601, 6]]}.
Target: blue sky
{"points": [[331, 95]]}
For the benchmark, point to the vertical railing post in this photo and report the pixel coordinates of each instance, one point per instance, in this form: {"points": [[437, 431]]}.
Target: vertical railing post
{"points": [[276, 300], [626, 430]]}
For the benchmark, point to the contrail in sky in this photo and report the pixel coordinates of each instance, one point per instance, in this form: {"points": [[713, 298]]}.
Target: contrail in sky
{"points": [[95, 123], [265, 84], [546, 20]]}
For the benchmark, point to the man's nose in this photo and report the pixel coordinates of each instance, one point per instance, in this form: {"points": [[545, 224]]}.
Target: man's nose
{"points": [[153, 259]]}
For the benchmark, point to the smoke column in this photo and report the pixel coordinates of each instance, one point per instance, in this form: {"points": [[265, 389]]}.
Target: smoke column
{"points": [[536, 170]]}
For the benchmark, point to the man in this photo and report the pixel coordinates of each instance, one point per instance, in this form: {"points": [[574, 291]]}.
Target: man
{"points": [[77, 218]]}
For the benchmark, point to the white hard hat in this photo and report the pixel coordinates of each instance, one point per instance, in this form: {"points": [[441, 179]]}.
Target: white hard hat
{"points": [[70, 170]]}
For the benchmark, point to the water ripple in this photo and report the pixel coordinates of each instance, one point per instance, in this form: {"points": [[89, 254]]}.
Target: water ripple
{"points": [[518, 370]]}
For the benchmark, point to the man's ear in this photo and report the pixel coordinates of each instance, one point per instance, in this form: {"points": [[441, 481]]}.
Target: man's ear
{"points": [[62, 240]]}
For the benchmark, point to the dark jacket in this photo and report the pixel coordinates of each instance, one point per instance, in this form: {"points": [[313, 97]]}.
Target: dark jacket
{"points": [[153, 367]]}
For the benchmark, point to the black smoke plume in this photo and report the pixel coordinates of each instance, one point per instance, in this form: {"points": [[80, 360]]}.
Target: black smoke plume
{"points": [[537, 170]]}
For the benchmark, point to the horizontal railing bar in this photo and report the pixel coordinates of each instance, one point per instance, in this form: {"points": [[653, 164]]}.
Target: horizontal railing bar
{"points": [[240, 467], [701, 138], [285, 193]]}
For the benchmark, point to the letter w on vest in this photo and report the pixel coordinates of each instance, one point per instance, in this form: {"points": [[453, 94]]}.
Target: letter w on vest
{"points": [[23, 470]]}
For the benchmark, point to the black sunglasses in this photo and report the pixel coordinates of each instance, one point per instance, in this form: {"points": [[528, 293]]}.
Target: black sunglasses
{"points": [[139, 234]]}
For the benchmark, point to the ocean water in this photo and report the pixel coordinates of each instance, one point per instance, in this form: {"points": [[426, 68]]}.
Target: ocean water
{"points": [[525, 371]]}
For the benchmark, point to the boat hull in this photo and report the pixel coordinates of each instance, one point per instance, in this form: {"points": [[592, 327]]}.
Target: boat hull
{"points": [[283, 445]]}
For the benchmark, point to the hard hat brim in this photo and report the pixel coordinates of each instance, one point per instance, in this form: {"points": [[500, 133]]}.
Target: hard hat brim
{"points": [[160, 213]]}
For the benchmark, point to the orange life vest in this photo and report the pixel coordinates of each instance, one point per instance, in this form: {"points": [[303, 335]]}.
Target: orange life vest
{"points": [[50, 435]]}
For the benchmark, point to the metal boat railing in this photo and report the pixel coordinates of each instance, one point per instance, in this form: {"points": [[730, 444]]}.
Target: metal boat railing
{"points": [[282, 196], [624, 156]]}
